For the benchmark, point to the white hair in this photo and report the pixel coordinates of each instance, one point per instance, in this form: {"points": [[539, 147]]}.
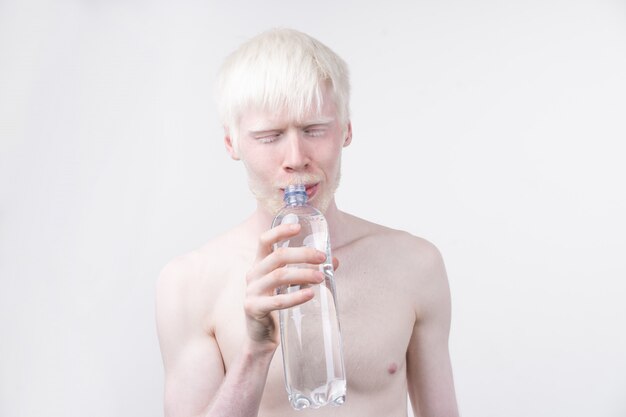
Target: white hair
{"points": [[281, 69]]}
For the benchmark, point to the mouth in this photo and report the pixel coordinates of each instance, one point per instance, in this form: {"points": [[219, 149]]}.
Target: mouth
{"points": [[311, 190]]}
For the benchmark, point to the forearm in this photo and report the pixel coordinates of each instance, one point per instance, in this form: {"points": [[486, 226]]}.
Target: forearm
{"points": [[242, 389]]}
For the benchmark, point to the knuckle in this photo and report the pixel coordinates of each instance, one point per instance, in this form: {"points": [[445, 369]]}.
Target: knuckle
{"points": [[282, 276], [281, 252], [249, 291], [248, 306], [277, 303], [264, 239], [249, 276]]}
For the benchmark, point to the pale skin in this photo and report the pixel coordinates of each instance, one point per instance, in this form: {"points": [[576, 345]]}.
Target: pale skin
{"points": [[217, 309]]}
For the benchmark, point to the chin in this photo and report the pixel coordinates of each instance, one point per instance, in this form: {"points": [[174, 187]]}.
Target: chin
{"points": [[322, 202]]}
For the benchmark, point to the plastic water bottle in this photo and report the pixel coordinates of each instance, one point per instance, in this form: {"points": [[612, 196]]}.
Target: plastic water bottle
{"points": [[310, 334]]}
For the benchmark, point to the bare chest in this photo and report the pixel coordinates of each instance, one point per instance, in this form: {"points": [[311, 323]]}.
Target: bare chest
{"points": [[376, 318]]}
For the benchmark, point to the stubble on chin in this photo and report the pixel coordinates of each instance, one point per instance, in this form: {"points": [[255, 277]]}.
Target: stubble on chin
{"points": [[322, 201], [272, 201]]}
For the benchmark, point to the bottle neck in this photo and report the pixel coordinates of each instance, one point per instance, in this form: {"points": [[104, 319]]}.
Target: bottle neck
{"points": [[295, 195], [295, 199]]}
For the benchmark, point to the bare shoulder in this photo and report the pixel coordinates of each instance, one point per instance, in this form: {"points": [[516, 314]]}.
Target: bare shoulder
{"points": [[187, 272], [189, 285], [404, 248], [413, 265]]}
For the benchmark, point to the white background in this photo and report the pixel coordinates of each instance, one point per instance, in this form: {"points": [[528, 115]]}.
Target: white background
{"points": [[492, 128]]}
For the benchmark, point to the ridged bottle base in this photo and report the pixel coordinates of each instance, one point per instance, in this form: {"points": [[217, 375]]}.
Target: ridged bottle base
{"points": [[334, 394]]}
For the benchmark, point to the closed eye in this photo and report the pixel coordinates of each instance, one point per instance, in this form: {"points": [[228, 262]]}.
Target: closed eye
{"points": [[268, 137], [315, 131]]}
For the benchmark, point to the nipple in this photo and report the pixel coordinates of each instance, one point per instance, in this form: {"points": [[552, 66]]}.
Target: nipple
{"points": [[393, 367]]}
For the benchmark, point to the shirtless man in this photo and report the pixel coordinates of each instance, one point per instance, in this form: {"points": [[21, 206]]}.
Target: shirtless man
{"points": [[284, 104]]}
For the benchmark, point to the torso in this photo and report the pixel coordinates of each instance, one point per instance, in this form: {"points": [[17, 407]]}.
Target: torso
{"points": [[377, 294]]}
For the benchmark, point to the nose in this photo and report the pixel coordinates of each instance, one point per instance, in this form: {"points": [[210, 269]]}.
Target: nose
{"points": [[296, 156]]}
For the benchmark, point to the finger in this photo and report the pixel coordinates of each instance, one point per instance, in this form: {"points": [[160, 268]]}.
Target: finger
{"points": [[275, 235], [285, 256], [260, 307], [335, 263], [283, 277]]}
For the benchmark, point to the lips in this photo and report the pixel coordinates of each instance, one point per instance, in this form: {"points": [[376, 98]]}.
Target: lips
{"points": [[311, 190]]}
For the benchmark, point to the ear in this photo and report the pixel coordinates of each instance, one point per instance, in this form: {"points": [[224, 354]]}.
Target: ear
{"points": [[348, 135], [230, 146]]}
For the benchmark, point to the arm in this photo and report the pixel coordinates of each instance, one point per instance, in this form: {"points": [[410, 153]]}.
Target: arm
{"points": [[196, 383], [429, 371], [191, 358]]}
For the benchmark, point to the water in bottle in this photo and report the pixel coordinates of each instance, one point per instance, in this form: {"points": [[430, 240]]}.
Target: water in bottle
{"points": [[310, 334]]}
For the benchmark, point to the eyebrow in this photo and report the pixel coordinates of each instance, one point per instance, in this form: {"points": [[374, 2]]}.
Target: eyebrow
{"points": [[316, 122]]}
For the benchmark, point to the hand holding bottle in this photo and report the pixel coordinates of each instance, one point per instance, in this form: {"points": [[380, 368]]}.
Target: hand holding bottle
{"points": [[268, 273]]}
